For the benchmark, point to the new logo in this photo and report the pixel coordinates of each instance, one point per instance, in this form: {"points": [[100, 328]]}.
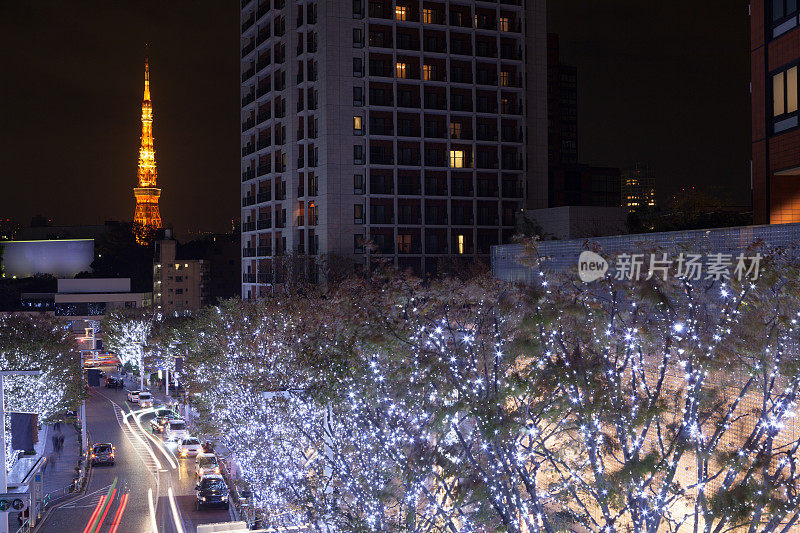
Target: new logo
{"points": [[591, 266]]}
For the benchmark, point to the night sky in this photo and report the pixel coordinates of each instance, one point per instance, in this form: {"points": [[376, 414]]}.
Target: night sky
{"points": [[660, 82]]}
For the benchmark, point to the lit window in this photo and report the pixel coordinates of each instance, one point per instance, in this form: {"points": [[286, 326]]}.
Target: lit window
{"points": [[401, 70], [456, 158], [504, 78], [357, 126], [504, 24], [784, 92], [404, 244], [461, 244], [400, 13], [427, 72], [455, 130], [427, 16]]}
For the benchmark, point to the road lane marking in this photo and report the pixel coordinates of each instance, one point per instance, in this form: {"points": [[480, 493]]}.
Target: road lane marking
{"points": [[94, 514], [152, 509], [106, 507], [118, 515], [175, 515], [157, 442]]}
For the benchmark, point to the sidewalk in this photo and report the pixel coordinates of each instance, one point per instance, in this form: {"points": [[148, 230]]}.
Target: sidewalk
{"points": [[60, 467]]}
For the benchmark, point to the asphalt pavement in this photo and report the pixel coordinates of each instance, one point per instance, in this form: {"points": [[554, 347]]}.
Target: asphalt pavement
{"points": [[147, 475]]}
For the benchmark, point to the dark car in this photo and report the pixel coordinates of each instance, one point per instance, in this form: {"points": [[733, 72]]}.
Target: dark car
{"points": [[211, 492], [102, 454], [114, 382]]}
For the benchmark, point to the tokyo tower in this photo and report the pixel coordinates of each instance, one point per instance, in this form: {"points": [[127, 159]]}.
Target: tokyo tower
{"points": [[146, 217]]}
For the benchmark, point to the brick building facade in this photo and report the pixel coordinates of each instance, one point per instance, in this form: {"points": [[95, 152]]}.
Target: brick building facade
{"points": [[775, 61]]}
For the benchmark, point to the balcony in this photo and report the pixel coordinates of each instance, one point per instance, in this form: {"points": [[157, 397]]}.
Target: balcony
{"points": [[249, 149], [263, 142], [247, 24], [265, 276], [249, 226], [264, 251], [248, 74], [248, 174], [262, 169], [265, 196], [264, 223], [249, 252], [247, 49], [248, 201], [247, 124], [248, 99], [248, 277], [263, 117]]}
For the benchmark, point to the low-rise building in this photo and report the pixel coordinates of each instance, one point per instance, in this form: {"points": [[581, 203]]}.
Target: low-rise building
{"points": [[179, 285]]}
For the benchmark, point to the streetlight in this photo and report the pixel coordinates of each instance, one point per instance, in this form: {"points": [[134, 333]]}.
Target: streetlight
{"points": [[4, 475]]}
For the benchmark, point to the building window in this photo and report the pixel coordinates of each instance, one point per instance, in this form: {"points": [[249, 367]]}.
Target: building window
{"points": [[455, 130], [358, 184], [358, 126], [504, 25], [400, 12], [358, 67], [401, 69], [783, 8], [428, 72], [357, 9], [456, 158], [461, 244], [358, 244], [358, 96], [784, 92], [503, 78], [358, 38], [358, 154], [358, 214], [404, 244], [427, 16]]}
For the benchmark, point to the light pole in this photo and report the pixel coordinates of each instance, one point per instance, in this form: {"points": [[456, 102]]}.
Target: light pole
{"points": [[4, 474]]}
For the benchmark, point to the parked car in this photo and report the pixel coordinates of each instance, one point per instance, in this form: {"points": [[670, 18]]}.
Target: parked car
{"points": [[114, 382], [102, 453], [176, 429], [189, 447], [133, 396], [205, 464], [145, 399], [211, 492]]}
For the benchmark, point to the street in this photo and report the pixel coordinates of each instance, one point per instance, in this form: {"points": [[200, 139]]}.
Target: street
{"points": [[149, 487]]}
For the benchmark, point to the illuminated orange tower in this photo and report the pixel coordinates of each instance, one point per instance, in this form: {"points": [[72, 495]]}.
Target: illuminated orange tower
{"points": [[146, 217]]}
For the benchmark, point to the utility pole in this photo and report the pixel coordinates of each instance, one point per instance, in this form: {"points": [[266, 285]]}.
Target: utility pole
{"points": [[4, 473]]}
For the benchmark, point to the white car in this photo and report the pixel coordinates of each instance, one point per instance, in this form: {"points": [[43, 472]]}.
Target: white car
{"points": [[189, 447], [145, 399], [176, 430], [133, 396], [206, 464]]}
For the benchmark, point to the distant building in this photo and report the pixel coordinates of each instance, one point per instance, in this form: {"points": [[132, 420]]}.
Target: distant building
{"points": [[569, 182], [59, 258], [86, 298], [638, 188], [8, 229], [179, 285], [774, 57], [562, 107]]}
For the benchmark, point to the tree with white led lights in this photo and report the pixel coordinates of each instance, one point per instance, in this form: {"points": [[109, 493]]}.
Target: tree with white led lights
{"points": [[127, 333], [39, 342], [391, 404]]}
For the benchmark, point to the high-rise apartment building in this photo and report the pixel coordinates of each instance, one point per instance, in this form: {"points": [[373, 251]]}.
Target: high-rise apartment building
{"points": [[638, 188], [774, 59], [398, 123]]}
